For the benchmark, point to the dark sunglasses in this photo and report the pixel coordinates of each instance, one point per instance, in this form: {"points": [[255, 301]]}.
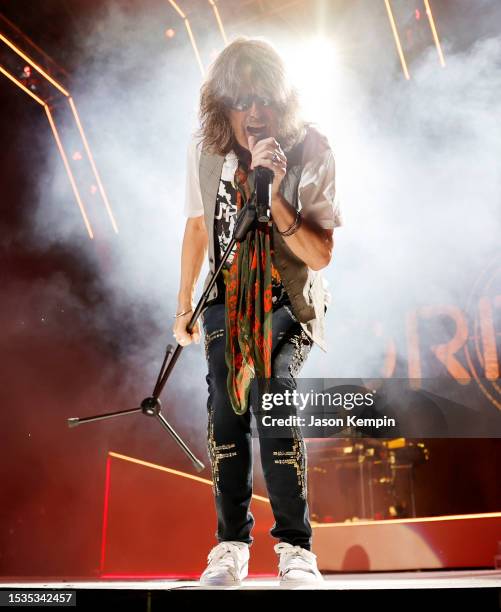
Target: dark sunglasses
{"points": [[244, 103]]}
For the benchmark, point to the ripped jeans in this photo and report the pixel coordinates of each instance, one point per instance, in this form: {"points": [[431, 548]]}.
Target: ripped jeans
{"points": [[230, 441]]}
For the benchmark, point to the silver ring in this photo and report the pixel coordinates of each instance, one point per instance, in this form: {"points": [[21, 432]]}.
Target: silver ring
{"points": [[275, 158]]}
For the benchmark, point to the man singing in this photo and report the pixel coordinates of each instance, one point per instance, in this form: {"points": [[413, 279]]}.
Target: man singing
{"points": [[267, 308]]}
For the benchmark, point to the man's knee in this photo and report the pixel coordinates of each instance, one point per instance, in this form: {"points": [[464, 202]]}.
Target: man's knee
{"points": [[291, 357]]}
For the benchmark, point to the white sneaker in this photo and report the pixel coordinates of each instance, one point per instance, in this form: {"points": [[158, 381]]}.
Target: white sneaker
{"points": [[297, 565], [228, 564]]}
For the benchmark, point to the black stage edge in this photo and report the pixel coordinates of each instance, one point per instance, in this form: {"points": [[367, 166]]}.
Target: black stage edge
{"points": [[480, 599]]}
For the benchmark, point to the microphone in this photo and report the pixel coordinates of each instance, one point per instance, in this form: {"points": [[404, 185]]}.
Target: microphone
{"points": [[263, 181]]}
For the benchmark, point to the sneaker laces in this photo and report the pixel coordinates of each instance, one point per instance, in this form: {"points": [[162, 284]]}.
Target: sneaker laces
{"points": [[225, 555], [295, 558]]}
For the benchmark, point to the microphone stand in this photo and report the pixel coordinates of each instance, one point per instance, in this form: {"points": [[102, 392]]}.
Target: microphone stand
{"points": [[151, 406], [263, 180]]}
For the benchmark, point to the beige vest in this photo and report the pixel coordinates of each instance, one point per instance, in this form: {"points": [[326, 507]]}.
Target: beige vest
{"points": [[304, 286]]}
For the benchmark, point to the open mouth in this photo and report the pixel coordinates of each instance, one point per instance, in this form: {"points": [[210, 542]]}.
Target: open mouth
{"points": [[258, 130]]}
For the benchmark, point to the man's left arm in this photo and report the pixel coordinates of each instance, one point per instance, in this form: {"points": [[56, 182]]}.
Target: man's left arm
{"points": [[313, 242]]}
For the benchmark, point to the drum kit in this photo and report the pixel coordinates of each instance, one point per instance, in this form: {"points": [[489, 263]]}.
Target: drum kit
{"points": [[363, 479]]}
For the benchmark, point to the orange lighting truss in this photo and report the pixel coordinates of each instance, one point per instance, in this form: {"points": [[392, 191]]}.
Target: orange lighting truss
{"points": [[9, 44], [191, 35], [398, 44]]}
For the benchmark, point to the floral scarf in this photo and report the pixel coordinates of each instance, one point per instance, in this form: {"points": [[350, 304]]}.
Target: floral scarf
{"points": [[248, 309]]}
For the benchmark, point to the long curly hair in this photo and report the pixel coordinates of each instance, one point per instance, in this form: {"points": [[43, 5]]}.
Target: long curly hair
{"points": [[246, 65]]}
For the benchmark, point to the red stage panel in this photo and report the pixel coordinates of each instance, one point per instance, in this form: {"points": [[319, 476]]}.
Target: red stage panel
{"points": [[427, 543], [160, 521]]}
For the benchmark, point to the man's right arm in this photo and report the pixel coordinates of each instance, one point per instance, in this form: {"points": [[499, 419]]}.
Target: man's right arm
{"points": [[194, 249]]}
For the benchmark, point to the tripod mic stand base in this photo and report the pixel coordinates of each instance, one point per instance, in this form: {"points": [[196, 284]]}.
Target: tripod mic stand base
{"points": [[151, 406]]}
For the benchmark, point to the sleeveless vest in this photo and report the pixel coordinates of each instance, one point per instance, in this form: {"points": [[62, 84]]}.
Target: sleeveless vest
{"points": [[304, 286]]}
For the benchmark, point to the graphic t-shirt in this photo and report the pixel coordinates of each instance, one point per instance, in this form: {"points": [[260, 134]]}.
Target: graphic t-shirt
{"points": [[224, 223]]}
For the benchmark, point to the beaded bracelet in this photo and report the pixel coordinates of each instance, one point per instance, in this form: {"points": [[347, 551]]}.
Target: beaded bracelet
{"points": [[294, 227]]}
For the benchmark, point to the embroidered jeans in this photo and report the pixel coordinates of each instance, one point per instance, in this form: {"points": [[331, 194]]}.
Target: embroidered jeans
{"points": [[230, 441]]}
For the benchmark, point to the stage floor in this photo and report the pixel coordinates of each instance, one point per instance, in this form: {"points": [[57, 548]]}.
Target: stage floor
{"points": [[450, 579]]}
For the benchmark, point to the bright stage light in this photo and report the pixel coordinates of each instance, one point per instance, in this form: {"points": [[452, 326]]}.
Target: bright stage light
{"points": [[330, 98], [315, 72]]}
